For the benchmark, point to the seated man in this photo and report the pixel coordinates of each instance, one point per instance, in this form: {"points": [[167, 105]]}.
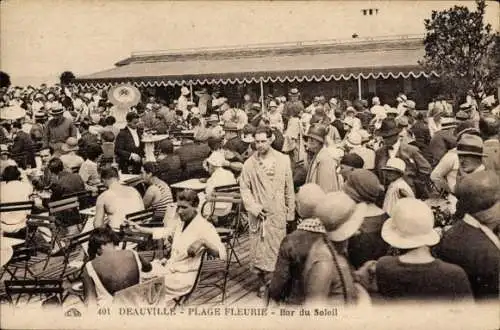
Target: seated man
{"points": [[12, 189], [218, 177], [68, 154], [115, 203], [110, 269], [190, 233]]}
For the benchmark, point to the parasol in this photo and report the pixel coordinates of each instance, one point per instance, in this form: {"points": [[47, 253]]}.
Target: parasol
{"points": [[12, 112]]}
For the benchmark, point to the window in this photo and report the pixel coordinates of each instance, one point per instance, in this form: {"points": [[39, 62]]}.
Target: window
{"points": [[370, 11]]}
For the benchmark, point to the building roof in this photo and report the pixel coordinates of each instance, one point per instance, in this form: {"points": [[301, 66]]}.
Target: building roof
{"points": [[318, 61]]}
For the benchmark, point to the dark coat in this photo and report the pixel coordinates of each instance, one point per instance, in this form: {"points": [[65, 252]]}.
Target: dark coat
{"points": [[124, 147], [442, 141], [471, 249], [192, 156], [23, 151]]}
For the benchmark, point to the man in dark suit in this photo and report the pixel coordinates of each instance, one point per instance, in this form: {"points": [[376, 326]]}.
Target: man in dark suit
{"points": [[418, 168], [22, 149], [192, 154], [129, 149]]}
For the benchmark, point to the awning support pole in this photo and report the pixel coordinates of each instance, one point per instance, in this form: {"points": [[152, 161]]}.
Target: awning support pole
{"points": [[191, 90], [359, 87], [262, 93]]}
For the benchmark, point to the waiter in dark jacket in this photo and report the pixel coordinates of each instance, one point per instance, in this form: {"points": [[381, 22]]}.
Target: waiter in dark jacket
{"points": [[129, 149], [22, 147]]}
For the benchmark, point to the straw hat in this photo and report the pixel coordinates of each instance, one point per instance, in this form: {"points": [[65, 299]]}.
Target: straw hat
{"points": [[184, 91], [307, 199], [230, 127], [56, 110], [317, 132], [273, 104], [395, 164], [4, 149], [294, 91], [340, 215], [411, 225], [470, 145], [353, 139], [71, 144]]}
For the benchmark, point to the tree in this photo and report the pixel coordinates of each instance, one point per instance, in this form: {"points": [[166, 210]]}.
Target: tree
{"points": [[4, 79], [66, 78], [462, 50]]}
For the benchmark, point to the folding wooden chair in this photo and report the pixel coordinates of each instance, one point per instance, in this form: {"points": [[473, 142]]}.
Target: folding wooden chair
{"points": [[141, 217], [21, 259], [33, 287], [64, 210], [72, 250], [34, 226], [17, 207], [182, 300], [75, 169]]}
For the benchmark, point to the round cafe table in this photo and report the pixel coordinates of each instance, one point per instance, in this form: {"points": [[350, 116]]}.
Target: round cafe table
{"points": [[149, 145]]}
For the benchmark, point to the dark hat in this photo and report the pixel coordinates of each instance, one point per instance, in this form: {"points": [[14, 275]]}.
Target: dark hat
{"points": [[471, 145], [363, 186], [353, 160], [56, 111], [478, 191], [388, 128], [317, 132], [40, 115]]}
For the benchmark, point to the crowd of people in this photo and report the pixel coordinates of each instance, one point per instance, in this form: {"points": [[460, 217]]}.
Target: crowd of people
{"points": [[336, 192]]}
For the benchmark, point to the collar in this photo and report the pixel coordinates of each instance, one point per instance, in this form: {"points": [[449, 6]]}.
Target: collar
{"points": [[132, 129], [313, 225], [396, 145], [481, 168], [471, 221]]}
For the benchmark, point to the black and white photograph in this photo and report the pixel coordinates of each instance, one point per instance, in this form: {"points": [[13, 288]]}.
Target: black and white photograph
{"points": [[249, 164]]}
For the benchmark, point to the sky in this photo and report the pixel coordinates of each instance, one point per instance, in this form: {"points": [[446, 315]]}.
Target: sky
{"points": [[42, 38]]}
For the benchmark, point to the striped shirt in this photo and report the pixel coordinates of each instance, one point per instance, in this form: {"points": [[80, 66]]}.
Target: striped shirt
{"points": [[165, 198]]}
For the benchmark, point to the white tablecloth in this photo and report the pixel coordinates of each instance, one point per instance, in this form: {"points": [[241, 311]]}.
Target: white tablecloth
{"points": [[194, 184]]}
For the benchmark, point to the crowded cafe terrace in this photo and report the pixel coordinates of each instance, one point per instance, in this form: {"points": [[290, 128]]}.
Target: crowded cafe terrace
{"points": [[253, 194]]}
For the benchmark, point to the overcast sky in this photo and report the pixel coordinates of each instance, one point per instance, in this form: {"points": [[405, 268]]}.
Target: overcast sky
{"points": [[42, 38]]}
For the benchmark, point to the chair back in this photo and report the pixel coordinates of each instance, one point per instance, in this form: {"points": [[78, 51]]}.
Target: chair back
{"points": [[33, 287], [16, 206], [127, 235], [75, 169], [141, 217], [230, 188], [83, 198], [63, 205], [34, 222]]}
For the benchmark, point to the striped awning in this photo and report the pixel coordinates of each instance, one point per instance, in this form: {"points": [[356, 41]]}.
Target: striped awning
{"points": [[374, 63]]}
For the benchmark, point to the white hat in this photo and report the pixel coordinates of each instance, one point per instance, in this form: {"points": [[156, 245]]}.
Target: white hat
{"points": [[395, 164], [333, 101], [184, 91], [339, 211], [216, 159], [392, 110], [375, 99], [273, 104], [411, 225], [354, 139]]}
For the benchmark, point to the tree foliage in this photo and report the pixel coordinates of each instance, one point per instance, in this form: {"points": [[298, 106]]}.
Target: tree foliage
{"points": [[4, 79], [66, 77], [463, 50]]}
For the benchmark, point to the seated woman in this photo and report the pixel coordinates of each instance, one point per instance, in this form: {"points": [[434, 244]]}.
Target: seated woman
{"points": [[158, 195], [190, 234], [12, 189], [109, 269], [89, 169], [415, 275]]}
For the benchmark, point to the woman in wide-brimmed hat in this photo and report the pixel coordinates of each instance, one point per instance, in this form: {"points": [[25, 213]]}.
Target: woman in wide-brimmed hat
{"points": [[366, 244], [415, 275], [328, 277]]}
